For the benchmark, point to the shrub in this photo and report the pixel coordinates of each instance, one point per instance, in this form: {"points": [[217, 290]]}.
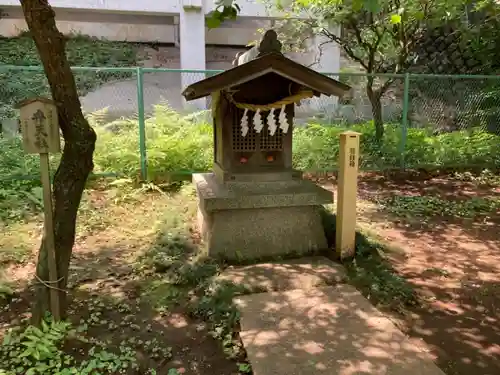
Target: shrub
{"points": [[20, 187], [18, 84], [179, 145], [173, 143], [316, 147]]}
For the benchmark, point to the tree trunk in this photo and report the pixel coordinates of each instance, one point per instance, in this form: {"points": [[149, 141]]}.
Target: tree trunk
{"points": [[79, 143], [376, 103]]}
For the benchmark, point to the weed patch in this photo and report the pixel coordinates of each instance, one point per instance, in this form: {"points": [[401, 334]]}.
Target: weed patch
{"points": [[484, 178], [371, 273], [178, 145], [178, 275], [20, 191], [316, 148], [431, 206], [36, 351], [376, 279], [140, 301], [184, 278]]}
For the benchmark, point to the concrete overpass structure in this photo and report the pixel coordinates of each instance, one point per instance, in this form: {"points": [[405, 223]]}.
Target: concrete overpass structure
{"points": [[177, 25], [180, 23]]}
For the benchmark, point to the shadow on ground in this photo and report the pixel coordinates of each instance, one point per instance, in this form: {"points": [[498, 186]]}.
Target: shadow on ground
{"points": [[159, 305], [329, 330], [447, 293], [167, 307]]}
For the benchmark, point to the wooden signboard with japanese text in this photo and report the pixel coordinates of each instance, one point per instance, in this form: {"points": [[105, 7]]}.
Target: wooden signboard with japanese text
{"points": [[39, 126], [40, 132]]}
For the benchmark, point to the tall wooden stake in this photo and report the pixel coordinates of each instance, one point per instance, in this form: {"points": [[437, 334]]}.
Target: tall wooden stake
{"points": [[49, 235], [347, 194]]}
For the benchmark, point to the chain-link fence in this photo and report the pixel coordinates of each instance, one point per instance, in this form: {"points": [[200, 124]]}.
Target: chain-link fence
{"points": [[106, 94], [452, 121], [146, 129]]}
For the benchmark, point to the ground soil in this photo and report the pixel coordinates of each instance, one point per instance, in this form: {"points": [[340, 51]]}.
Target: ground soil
{"points": [[105, 288], [454, 264], [188, 340]]}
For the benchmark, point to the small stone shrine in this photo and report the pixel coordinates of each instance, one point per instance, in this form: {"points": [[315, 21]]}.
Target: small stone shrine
{"points": [[255, 205]]}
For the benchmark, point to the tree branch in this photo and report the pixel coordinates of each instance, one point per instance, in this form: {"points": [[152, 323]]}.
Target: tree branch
{"points": [[345, 46], [382, 89]]}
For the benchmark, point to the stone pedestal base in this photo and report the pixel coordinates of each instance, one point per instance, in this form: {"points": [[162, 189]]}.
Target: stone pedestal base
{"points": [[260, 221]]}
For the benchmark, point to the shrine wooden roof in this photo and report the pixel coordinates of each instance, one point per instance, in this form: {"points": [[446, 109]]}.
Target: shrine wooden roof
{"points": [[274, 62]]}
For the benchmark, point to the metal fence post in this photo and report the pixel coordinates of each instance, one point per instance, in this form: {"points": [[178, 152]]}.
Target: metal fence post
{"points": [[142, 124], [404, 121]]}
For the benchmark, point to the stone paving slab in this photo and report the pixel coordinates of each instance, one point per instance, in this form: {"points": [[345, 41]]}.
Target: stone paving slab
{"points": [[301, 273], [330, 330]]}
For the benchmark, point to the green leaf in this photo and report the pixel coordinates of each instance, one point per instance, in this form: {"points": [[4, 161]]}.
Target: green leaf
{"points": [[372, 5], [29, 344], [26, 353], [36, 354], [32, 338], [419, 15], [213, 22], [44, 349], [395, 19], [45, 326], [37, 331], [357, 5], [7, 339]]}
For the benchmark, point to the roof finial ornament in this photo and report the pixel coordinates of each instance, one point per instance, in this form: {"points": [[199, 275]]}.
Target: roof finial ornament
{"points": [[269, 43]]}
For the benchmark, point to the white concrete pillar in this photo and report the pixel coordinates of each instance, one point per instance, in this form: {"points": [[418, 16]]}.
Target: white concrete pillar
{"points": [[329, 53], [328, 61], [192, 46]]}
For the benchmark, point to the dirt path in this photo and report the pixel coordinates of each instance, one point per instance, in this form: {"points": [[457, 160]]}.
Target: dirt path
{"points": [[459, 277], [453, 262]]}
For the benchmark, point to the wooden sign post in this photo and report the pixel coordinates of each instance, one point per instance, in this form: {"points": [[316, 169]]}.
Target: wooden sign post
{"points": [[40, 132], [347, 194]]}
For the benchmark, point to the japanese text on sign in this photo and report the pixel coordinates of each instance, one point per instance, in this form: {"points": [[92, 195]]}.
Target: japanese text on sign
{"points": [[40, 133], [352, 157]]}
